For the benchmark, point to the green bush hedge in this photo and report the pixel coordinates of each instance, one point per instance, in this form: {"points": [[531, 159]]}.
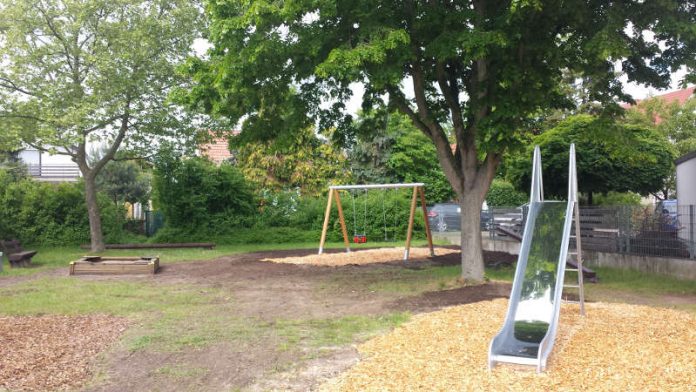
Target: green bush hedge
{"points": [[288, 217], [52, 214], [504, 194], [195, 194]]}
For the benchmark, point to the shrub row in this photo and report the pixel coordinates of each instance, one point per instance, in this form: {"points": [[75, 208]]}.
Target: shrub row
{"points": [[51, 214]]}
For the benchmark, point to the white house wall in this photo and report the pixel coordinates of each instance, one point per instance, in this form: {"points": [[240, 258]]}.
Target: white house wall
{"points": [[686, 193]]}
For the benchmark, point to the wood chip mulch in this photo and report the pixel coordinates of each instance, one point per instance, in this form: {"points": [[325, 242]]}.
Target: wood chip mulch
{"points": [[368, 256], [52, 352], [616, 347]]}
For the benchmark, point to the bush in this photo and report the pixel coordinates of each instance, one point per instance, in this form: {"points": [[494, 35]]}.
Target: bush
{"points": [[617, 198], [288, 217], [196, 195], [504, 194], [52, 214]]}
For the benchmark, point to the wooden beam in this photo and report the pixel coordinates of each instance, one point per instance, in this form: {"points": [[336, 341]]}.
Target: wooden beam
{"points": [[412, 214], [428, 235], [325, 228], [342, 219]]}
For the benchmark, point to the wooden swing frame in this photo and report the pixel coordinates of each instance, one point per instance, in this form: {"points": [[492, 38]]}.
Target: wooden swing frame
{"points": [[417, 191]]}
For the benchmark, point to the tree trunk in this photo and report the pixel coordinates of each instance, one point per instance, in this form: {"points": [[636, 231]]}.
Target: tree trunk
{"points": [[472, 256], [95, 226]]}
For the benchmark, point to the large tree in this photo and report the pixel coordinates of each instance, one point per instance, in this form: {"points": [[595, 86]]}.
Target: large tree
{"points": [[481, 68], [81, 72]]}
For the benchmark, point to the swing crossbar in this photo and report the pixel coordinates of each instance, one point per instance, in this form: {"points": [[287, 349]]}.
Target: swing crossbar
{"points": [[375, 186]]}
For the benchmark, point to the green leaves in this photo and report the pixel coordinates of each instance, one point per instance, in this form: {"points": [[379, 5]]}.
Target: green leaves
{"points": [[610, 157], [76, 69]]}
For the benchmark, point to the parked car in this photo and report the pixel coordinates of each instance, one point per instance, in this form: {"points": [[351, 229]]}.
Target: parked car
{"points": [[447, 217]]}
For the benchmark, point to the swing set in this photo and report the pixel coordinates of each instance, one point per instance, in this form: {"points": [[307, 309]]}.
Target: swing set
{"points": [[361, 237]]}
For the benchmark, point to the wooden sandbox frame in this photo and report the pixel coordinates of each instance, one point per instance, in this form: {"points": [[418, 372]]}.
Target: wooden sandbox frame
{"points": [[118, 265]]}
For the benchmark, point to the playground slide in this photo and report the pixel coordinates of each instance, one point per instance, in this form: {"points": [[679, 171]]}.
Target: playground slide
{"points": [[529, 330]]}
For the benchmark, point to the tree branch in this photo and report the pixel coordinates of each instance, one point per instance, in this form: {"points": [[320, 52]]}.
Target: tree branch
{"points": [[10, 85], [448, 161], [111, 152]]}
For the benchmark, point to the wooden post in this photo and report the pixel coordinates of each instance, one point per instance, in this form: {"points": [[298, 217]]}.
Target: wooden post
{"points": [[428, 235], [412, 214], [342, 220], [325, 228]]}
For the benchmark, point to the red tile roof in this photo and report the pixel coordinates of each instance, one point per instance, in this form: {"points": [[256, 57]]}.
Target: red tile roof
{"points": [[218, 149], [679, 96]]}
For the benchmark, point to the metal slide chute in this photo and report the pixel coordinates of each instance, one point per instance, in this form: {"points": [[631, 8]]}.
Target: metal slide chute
{"points": [[531, 321]]}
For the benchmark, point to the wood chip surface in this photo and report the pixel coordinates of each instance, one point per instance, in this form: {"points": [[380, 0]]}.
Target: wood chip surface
{"points": [[50, 353], [615, 348], [368, 256]]}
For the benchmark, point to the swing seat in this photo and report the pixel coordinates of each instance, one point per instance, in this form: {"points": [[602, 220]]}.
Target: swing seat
{"points": [[359, 239]]}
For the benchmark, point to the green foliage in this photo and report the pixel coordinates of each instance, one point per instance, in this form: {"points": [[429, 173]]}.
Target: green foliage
{"points": [[286, 217], [612, 198], [610, 157], [389, 149], [304, 162], [84, 69], [51, 214], [194, 194], [504, 194], [124, 181]]}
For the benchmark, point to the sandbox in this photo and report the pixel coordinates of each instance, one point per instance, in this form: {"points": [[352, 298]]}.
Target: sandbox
{"points": [[617, 347], [98, 265], [368, 256]]}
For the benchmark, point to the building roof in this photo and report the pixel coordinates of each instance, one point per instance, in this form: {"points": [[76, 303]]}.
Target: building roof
{"points": [[686, 157], [218, 149], [679, 97]]}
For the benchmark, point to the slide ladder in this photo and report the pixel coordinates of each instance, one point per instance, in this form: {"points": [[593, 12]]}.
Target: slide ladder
{"points": [[575, 259], [531, 322]]}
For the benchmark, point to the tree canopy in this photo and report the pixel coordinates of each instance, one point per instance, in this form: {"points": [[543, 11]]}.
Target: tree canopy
{"points": [[610, 157], [81, 72], [480, 68]]}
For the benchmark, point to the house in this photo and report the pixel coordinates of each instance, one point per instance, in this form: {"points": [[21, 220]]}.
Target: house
{"points": [[44, 166], [218, 150]]}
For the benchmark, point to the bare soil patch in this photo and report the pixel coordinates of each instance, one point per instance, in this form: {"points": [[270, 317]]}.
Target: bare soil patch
{"points": [[616, 347], [52, 352]]}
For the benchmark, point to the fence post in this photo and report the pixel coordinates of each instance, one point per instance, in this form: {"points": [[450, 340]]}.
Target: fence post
{"points": [[628, 214], [692, 238]]}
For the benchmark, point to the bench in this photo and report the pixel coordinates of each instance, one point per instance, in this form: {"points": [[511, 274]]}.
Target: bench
{"points": [[17, 256]]}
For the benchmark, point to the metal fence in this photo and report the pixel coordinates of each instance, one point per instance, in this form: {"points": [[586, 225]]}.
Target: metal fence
{"points": [[640, 230]]}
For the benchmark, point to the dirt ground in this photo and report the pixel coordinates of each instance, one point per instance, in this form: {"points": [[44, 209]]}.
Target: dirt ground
{"points": [[269, 294]]}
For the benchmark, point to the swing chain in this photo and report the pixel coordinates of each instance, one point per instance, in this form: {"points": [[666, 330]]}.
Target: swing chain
{"points": [[355, 214]]}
